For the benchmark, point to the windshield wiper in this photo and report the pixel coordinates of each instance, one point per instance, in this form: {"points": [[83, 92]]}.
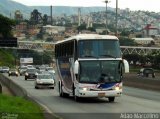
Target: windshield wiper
{"points": [[89, 56], [107, 55], [107, 79]]}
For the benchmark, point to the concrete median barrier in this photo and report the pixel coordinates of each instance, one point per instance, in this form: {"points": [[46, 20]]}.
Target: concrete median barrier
{"points": [[13, 87], [132, 80]]}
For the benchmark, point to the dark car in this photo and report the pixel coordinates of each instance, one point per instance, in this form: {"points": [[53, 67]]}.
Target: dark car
{"points": [[13, 72], [31, 73], [145, 72]]}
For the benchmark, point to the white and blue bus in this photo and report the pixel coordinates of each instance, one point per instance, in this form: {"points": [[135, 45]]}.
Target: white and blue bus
{"points": [[90, 65]]}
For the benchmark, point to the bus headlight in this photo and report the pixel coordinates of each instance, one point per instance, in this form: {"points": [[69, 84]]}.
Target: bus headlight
{"points": [[83, 88], [117, 88]]}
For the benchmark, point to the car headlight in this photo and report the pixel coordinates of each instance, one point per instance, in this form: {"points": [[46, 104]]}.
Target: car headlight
{"points": [[26, 74], [52, 81], [39, 81]]}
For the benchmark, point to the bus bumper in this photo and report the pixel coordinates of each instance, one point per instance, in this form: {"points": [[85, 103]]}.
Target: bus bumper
{"points": [[99, 94]]}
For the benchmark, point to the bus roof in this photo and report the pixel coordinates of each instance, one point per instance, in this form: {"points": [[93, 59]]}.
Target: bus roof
{"points": [[89, 36]]}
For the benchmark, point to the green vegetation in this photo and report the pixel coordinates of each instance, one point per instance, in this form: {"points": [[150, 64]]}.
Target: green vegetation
{"points": [[6, 26], [10, 57], [150, 60], [127, 42], [19, 107], [6, 58]]}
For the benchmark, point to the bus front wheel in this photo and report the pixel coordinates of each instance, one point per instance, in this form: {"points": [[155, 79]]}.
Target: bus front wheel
{"points": [[76, 98], [111, 99]]}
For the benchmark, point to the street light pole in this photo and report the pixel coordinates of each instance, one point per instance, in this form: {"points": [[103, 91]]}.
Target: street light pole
{"points": [[116, 17], [106, 1]]}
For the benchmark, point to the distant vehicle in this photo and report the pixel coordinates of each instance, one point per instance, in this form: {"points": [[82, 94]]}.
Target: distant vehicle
{"points": [[22, 70], [145, 72], [30, 73], [96, 72], [5, 69], [1, 71], [41, 68], [50, 70], [13, 72], [30, 66], [44, 80]]}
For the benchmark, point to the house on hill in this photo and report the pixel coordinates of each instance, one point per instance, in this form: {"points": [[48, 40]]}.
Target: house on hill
{"points": [[150, 30]]}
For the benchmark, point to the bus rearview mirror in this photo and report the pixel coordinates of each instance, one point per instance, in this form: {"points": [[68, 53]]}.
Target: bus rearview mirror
{"points": [[76, 67], [126, 66]]}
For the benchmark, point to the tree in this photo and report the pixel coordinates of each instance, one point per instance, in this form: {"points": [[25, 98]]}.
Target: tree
{"points": [[91, 29], [81, 27], [127, 42], [125, 33], [6, 25]]}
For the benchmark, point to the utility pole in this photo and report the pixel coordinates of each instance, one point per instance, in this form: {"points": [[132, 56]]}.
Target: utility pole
{"points": [[51, 15], [116, 17], [79, 16], [106, 1]]}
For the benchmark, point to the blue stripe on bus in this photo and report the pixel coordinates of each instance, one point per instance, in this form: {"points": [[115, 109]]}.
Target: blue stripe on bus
{"points": [[109, 85]]}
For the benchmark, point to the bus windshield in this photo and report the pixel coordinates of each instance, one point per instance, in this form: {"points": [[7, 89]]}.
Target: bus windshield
{"points": [[100, 71], [100, 48]]}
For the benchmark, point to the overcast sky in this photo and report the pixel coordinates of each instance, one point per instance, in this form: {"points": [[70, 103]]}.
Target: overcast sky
{"points": [[150, 5]]}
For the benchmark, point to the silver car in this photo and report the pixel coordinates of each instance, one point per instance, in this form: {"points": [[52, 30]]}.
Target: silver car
{"points": [[22, 70], [44, 80]]}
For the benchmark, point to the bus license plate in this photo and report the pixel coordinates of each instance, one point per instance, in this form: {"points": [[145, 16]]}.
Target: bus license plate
{"points": [[101, 94]]}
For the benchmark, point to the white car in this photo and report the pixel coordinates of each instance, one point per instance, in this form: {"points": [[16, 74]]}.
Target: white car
{"points": [[22, 70], [50, 70], [5, 69], [44, 80]]}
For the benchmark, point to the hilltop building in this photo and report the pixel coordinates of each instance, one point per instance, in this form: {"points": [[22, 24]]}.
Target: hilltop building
{"points": [[150, 30], [18, 15], [53, 29]]}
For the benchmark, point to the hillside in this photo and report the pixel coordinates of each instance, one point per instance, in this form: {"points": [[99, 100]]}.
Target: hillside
{"points": [[6, 58], [9, 6]]}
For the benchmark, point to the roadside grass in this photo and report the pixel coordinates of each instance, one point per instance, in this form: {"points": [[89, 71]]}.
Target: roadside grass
{"points": [[19, 108]]}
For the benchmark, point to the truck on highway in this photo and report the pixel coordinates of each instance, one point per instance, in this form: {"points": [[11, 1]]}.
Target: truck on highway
{"points": [[90, 65]]}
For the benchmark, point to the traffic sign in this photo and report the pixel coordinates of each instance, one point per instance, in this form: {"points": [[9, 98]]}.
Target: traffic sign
{"points": [[8, 42]]}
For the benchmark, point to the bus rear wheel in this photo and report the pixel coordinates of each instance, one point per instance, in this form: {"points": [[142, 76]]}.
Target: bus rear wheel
{"points": [[61, 93], [111, 99]]}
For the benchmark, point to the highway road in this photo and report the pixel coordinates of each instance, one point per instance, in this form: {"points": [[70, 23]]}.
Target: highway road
{"points": [[132, 101]]}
